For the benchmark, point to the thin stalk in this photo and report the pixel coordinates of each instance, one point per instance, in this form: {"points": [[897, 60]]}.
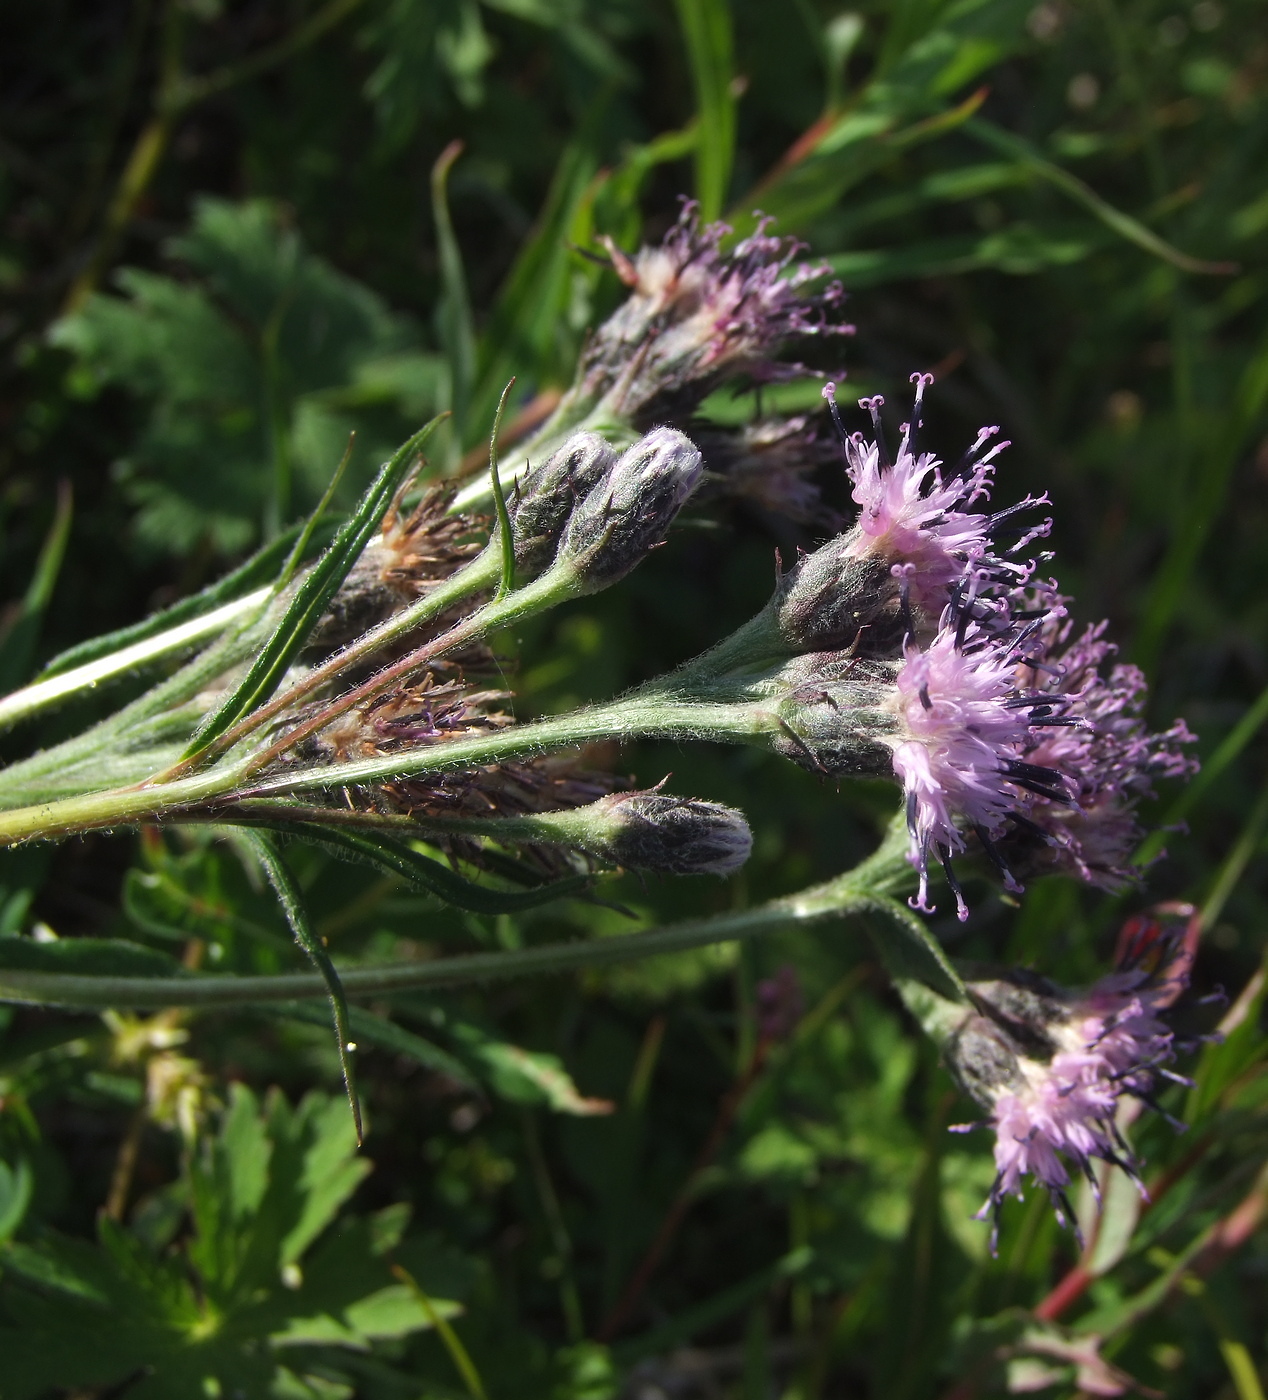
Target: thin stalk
{"points": [[858, 891], [642, 713], [128, 726], [637, 716]]}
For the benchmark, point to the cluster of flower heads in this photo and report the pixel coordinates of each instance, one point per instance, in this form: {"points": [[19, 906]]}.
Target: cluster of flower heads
{"points": [[1005, 732], [706, 310], [1053, 1067]]}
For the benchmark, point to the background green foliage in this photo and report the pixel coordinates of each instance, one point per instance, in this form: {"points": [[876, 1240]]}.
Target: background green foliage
{"points": [[222, 246]]}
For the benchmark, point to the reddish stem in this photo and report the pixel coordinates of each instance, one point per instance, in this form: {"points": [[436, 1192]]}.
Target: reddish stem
{"points": [[650, 1261]]}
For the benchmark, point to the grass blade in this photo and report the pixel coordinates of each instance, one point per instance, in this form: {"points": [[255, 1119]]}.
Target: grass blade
{"points": [[706, 26], [1201, 512], [17, 642], [291, 900], [313, 594], [1122, 224], [458, 1354], [454, 322]]}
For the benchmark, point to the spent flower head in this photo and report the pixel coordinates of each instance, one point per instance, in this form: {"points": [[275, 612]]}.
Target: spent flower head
{"points": [[1110, 760], [1053, 1066], [411, 553], [700, 312]]}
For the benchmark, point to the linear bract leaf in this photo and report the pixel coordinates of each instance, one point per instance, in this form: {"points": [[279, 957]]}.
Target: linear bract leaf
{"points": [[395, 858], [454, 322], [313, 594]]}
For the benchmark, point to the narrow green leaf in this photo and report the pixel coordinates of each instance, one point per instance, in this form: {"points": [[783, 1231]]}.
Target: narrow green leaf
{"points": [[706, 26], [396, 858], [840, 153], [1020, 249], [296, 555], [288, 894], [1218, 461], [526, 333], [313, 594], [458, 1354], [505, 537], [16, 1185], [713, 1310], [523, 1076], [376, 1030], [1234, 742], [87, 957]]}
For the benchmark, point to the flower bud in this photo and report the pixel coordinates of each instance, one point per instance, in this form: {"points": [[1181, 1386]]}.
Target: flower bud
{"points": [[547, 496], [670, 835], [629, 512], [833, 600]]}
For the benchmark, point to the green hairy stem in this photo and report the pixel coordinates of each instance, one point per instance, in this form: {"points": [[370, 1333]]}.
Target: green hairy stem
{"points": [[867, 889]]}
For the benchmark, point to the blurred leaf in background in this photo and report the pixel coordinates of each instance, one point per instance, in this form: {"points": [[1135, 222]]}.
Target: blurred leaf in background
{"points": [[253, 368]]}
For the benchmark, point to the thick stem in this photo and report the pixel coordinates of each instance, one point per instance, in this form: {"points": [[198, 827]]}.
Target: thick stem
{"points": [[118, 807]]}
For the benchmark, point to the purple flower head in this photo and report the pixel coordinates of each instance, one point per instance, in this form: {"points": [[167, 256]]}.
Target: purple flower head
{"points": [[921, 519], [699, 313], [1053, 1066], [964, 725], [1109, 760]]}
